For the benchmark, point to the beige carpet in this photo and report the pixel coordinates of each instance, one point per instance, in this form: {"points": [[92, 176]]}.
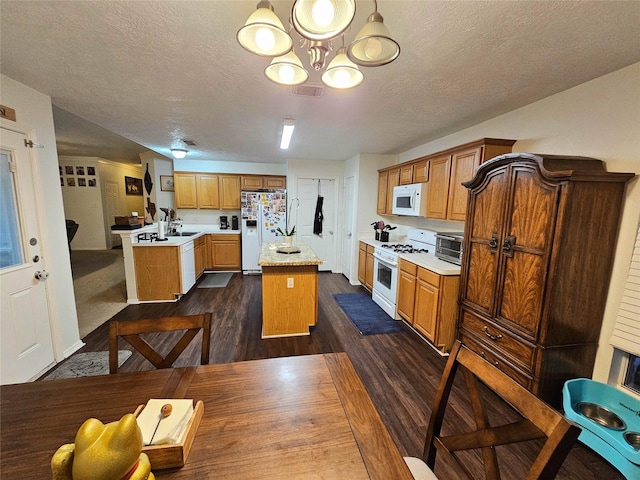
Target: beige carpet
{"points": [[101, 291]]}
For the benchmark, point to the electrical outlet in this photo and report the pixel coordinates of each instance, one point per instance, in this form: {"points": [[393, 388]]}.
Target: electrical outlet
{"points": [[290, 282]]}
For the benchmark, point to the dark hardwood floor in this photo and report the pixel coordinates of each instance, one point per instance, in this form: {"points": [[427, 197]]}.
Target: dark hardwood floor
{"points": [[400, 371]]}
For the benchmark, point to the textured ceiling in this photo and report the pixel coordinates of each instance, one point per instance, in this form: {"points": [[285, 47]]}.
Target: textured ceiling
{"points": [[153, 72]]}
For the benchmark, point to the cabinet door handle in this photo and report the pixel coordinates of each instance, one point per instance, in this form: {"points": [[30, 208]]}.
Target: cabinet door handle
{"points": [[493, 243], [507, 246], [492, 337], [495, 364]]}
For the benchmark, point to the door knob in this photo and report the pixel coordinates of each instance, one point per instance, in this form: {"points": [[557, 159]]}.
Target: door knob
{"points": [[41, 275]]}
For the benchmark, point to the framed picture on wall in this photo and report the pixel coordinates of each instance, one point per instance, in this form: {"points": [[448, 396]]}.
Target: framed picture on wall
{"points": [[166, 183], [133, 186], [91, 170]]}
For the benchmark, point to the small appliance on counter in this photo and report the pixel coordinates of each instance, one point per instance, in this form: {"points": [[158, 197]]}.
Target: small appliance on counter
{"points": [[234, 223], [449, 246], [224, 222]]}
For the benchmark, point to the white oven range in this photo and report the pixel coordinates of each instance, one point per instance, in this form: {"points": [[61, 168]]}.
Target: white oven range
{"points": [[385, 267]]}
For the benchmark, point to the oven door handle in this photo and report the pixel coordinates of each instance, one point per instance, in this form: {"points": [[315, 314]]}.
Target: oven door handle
{"points": [[385, 261]]}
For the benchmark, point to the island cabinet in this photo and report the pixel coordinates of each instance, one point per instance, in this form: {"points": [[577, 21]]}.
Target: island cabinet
{"points": [[157, 271], [428, 301], [224, 251], [200, 254], [538, 258], [365, 265], [289, 291]]}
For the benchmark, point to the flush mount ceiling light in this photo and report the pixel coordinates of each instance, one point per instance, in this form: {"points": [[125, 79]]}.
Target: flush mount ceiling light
{"points": [[318, 22], [179, 152]]}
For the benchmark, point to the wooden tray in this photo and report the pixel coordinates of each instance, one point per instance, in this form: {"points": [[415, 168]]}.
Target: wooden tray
{"points": [[174, 455]]}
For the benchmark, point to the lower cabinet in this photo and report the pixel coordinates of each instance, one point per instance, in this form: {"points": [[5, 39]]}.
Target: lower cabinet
{"points": [[428, 301], [224, 252], [365, 265], [157, 271], [200, 254]]}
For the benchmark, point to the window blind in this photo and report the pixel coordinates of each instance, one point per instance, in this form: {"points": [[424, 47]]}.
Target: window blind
{"points": [[626, 333]]}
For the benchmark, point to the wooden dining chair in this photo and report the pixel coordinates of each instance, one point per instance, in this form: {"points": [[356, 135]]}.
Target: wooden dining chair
{"points": [[130, 330], [536, 420]]}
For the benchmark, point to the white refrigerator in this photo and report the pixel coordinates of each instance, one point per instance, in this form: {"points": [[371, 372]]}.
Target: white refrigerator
{"points": [[262, 213]]}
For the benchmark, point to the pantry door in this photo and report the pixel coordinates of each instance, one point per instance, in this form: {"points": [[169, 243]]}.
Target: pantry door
{"points": [[324, 244], [26, 347]]}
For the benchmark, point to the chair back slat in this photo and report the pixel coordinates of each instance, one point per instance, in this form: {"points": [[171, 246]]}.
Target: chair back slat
{"points": [[538, 421], [130, 331]]}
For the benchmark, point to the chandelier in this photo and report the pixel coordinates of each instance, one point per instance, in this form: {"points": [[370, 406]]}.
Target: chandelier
{"points": [[318, 23]]}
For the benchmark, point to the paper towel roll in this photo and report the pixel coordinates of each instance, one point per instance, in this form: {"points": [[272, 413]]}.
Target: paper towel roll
{"points": [[161, 230]]}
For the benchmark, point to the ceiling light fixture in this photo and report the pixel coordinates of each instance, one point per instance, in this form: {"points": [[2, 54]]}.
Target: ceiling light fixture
{"points": [[288, 125], [318, 22], [179, 152]]}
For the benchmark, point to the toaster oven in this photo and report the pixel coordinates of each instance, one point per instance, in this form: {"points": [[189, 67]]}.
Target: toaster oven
{"points": [[449, 246]]}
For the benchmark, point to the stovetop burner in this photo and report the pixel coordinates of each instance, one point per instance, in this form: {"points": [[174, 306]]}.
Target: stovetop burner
{"points": [[403, 248]]}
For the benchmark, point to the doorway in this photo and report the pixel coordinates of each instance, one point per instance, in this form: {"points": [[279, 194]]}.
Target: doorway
{"points": [[311, 192]]}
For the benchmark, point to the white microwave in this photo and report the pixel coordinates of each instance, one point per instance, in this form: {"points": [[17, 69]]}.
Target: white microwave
{"points": [[410, 200]]}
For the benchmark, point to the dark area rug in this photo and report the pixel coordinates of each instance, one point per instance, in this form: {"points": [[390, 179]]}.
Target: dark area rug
{"points": [[215, 280], [87, 365], [366, 315]]}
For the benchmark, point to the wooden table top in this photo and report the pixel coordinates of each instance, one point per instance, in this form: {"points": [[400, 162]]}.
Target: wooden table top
{"points": [[293, 417]]}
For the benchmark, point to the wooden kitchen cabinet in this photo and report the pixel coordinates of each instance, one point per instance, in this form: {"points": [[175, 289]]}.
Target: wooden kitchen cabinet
{"points": [[365, 265], [224, 252], [382, 192], [444, 171], [438, 190], [157, 271], [274, 183], [421, 172], [428, 301], [208, 191], [200, 254], [537, 263], [185, 185], [257, 182], [393, 180], [406, 175], [230, 192]]}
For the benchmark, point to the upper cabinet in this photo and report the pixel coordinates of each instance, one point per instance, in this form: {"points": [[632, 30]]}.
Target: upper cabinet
{"points": [[444, 171], [208, 191], [185, 190], [257, 182], [229, 192]]}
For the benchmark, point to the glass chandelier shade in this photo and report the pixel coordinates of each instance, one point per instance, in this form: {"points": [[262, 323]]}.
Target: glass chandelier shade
{"points": [[286, 70], [322, 19], [264, 34], [342, 73], [373, 46]]}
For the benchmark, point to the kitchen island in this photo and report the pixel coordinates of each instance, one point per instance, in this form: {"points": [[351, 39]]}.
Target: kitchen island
{"points": [[289, 290]]}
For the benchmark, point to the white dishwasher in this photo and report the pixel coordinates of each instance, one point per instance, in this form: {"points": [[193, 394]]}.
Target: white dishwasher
{"points": [[187, 266]]}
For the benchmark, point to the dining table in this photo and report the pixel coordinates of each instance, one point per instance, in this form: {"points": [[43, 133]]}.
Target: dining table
{"points": [[300, 417]]}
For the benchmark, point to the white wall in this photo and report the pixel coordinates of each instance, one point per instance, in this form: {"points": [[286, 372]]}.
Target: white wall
{"points": [[35, 118], [215, 166], [82, 200], [599, 119]]}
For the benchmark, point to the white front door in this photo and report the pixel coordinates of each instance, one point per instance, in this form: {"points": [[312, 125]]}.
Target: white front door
{"points": [[347, 228], [324, 245], [26, 344]]}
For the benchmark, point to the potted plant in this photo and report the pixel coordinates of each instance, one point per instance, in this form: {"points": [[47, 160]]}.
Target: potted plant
{"points": [[287, 234]]}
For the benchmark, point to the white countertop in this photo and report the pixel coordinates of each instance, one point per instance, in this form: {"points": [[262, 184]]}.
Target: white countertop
{"points": [[424, 260], [172, 241]]}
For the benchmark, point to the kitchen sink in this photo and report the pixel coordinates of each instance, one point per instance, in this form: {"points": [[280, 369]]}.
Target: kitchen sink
{"points": [[183, 234]]}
